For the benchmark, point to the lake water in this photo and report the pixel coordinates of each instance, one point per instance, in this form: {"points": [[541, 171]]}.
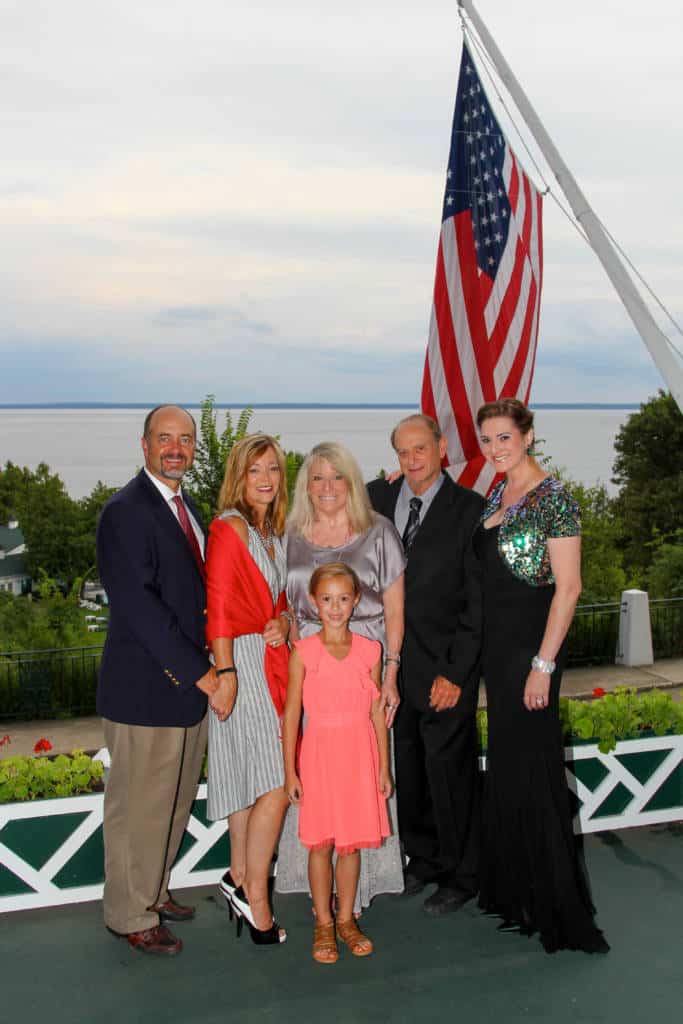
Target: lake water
{"points": [[87, 445]]}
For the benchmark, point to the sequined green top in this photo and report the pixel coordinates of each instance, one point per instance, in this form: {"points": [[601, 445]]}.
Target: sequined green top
{"points": [[548, 510]]}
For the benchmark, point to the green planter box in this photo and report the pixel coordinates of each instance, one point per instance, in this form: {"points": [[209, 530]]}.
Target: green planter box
{"points": [[51, 851]]}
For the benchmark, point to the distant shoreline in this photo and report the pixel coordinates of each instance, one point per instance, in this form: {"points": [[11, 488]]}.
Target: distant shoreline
{"points": [[294, 405]]}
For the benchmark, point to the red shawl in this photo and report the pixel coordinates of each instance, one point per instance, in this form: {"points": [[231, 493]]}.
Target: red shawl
{"points": [[239, 602]]}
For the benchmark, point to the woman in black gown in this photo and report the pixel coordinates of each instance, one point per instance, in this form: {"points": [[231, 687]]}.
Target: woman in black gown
{"points": [[529, 549]]}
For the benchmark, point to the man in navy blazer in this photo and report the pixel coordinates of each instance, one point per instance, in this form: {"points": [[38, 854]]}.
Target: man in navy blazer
{"points": [[154, 680]]}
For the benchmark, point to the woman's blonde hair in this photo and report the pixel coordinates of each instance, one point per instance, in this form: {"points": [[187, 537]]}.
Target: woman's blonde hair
{"points": [[242, 455], [358, 508], [334, 571]]}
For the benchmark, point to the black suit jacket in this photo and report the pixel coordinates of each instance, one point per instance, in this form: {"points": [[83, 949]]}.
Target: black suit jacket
{"points": [[155, 648], [443, 599]]}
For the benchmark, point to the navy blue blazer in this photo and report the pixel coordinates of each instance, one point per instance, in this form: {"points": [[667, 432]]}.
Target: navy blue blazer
{"points": [[155, 649]]}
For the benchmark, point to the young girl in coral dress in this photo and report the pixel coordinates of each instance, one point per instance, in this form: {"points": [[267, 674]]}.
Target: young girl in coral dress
{"points": [[344, 779]]}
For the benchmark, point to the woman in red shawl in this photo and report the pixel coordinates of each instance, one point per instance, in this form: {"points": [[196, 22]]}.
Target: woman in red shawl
{"points": [[247, 628]]}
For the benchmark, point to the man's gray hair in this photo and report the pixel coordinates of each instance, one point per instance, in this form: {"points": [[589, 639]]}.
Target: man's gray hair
{"points": [[417, 417]]}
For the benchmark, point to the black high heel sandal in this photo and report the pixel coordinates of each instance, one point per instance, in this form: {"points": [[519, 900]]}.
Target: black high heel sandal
{"points": [[226, 888], [268, 936]]}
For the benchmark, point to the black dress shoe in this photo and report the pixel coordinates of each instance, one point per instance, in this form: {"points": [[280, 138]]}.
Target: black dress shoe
{"points": [[445, 900], [412, 883]]}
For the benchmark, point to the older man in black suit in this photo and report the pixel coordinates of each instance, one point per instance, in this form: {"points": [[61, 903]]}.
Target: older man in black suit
{"points": [[435, 727], [154, 680]]}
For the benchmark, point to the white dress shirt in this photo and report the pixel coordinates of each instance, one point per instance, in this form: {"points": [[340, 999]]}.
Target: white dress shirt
{"points": [[402, 510], [168, 494]]}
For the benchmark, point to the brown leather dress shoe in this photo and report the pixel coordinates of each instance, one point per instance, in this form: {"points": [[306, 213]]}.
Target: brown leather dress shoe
{"points": [[172, 911], [157, 940]]}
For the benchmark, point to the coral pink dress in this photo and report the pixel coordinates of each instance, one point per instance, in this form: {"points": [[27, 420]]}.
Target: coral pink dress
{"points": [[341, 803]]}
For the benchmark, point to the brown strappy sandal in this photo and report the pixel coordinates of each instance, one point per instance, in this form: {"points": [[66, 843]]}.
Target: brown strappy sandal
{"points": [[324, 943], [350, 934]]}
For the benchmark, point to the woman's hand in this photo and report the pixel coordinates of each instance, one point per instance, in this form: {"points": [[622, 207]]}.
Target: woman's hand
{"points": [[223, 699], [276, 631], [537, 690], [386, 783], [390, 697], [293, 788]]}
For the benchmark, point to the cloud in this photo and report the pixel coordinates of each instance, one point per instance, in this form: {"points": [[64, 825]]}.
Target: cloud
{"points": [[253, 196], [184, 316]]}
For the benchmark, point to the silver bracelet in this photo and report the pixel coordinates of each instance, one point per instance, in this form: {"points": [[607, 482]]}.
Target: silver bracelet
{"points": [[288, 616], [395, 658], [541, 665]]}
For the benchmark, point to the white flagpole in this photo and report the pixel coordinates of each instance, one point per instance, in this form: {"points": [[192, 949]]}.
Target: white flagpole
{"points": [[655, 340]]}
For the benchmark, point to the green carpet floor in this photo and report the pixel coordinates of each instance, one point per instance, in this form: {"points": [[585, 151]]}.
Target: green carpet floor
{"points": [[61, 965]]}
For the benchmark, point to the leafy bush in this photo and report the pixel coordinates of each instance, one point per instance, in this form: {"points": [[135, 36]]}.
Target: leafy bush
{"points": [[35, 778], [623, 714]]}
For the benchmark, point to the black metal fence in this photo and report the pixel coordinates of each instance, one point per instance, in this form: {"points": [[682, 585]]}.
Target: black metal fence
{"points": [[61, 683], [593, 635], [55, 683], [666, 619]]}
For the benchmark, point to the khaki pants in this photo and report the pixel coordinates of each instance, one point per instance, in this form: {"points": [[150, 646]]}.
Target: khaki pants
{"points": [[149, 794]]}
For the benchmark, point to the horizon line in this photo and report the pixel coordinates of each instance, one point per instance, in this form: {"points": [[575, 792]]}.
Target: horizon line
{"points": [[292, 405]]}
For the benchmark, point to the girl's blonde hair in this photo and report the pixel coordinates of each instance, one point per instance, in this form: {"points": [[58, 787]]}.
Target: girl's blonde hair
{"points": [[358, 508], [333, 571], [243, 453]]}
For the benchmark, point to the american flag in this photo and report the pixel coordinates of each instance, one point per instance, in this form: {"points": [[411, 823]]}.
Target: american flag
{"points": [[487, 291]]}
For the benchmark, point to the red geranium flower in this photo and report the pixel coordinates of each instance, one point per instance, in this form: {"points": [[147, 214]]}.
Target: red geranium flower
{"points": [[4, 739], [42, 746], [598, 692]]}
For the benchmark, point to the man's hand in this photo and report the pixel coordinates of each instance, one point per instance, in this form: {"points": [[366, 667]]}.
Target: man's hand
{"points": [[444, 695], [208, 683]]}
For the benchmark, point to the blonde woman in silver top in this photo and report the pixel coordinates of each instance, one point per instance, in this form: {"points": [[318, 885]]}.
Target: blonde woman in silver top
{"points": [[331, 520]]}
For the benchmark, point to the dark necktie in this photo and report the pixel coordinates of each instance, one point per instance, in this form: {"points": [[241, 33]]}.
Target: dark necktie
{"points": [[413, 524], [186, 525]]}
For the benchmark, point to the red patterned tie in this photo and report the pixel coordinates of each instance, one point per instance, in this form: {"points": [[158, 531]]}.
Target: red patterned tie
{"points": [[189, 533]]}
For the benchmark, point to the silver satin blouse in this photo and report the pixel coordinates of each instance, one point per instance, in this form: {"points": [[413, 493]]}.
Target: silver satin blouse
{"points": [[377, 558]]}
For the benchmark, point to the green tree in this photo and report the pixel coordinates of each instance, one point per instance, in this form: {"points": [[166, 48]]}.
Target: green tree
{"points": [[59, 532], [294, 461], [649, 472], [49, 520], [85, 556], [52, 619], [14, 483], [204, 480], [602, 569], [665, 575]]}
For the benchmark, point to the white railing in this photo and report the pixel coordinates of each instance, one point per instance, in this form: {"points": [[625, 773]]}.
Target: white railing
{"points": [[34, 875]]}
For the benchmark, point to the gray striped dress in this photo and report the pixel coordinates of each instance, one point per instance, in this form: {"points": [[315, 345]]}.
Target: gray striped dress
{"points": [[245, 752]]}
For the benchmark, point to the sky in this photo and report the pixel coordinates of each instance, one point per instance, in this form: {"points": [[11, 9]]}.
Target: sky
{"points": [[244, 198]]}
